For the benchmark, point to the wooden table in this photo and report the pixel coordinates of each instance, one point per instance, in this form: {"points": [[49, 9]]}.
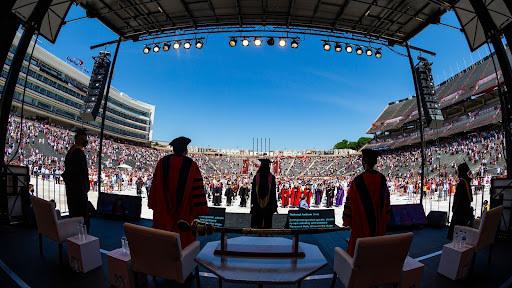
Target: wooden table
{"points": [[261, 270]]}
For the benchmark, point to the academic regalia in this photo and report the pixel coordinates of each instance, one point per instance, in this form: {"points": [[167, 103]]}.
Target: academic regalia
{"points": [[217, 195], [244, 192], [367, 207], [339, 196], [329, 193], [177, 193], [263, 197], [229, 193], [308, 194], [76, 179], [285, 197], [462, 210], [318, 196], [296, 196]]}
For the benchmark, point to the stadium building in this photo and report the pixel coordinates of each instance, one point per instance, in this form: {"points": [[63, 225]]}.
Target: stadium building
{"points": [[55, 90], [468, 100]]}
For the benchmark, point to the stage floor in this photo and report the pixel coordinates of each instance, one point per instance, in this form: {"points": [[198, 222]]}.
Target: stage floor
{"points": [[19, 253]]}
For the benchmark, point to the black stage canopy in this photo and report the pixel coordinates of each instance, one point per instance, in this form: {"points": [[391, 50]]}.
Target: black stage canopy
{"points": [[396, 21]]}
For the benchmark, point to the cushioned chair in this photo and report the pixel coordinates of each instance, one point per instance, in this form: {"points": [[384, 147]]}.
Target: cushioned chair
{"points": [[158, 253], [484, 236], [377, 261], [49, 226]]}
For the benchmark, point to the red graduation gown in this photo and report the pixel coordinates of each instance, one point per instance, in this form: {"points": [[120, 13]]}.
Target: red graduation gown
{"points": [[285, 197], [355, 214], [177, 195]]}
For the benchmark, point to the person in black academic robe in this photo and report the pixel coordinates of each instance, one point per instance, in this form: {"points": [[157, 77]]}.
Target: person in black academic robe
{"points": [[462, 210], [229, 193], [76, 177], [329, 195], [217, 195], [263, 197], [244, 192]]}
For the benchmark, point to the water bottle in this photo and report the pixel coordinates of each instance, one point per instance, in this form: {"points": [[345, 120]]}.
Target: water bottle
{"points": [[80, 232], [456, 240], [463, 240], [124, 245]]}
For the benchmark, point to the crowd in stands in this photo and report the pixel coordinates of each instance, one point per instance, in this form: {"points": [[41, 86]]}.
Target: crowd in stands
{"points": [[44, 145]]}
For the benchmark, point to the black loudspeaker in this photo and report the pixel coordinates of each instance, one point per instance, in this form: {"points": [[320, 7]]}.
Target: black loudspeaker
{"points": [[437, 219], [123, 207], [427, 93], [96, 88], [407, 215]]}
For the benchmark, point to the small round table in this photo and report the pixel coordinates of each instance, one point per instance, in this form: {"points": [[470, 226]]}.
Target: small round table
{"points": [[261, 270]]}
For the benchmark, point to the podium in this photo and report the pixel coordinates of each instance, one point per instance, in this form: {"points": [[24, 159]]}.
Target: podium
{"points": [[84, 255], [455, 261], [119, 269]]}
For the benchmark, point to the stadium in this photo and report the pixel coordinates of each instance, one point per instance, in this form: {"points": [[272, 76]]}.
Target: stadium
{"points": [[418, 154]]}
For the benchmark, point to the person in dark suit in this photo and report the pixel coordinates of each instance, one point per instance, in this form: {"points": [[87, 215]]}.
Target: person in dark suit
{"points": [[76, 177], [263, 197], [461, 209]]}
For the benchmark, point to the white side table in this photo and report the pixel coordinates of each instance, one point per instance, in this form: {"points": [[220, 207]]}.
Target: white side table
{"points": [[119, 269], [84, 255], [455, 261], [411, 273]]}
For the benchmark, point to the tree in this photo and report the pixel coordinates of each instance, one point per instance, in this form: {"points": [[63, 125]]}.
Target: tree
{"points": [[354, 145]]}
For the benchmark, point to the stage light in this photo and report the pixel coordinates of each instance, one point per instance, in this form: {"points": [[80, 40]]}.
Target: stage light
{"points": [[327, 46], [270, 41], [369, 52], [349, 48], [294, 44], [359, 51], [176, 45], [187, 45], [257, 41], [232, 42], [245, 42], [378, 54], [282, 42], [166, 46], [145, 50], [156, 48], [337, 47], [199, 44]]}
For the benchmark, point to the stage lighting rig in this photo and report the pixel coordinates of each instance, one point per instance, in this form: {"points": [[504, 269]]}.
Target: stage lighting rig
{"points": [[378, 54], [270, 41], [257, 41], [232, 42], [369, 52], [176, 45], [156, 48], [146, 49], [187, 44], [327, 46], [245, 42], [199, 44], [337, 47], [359, 50], [349, 48], [166, 46], [294, 44], [282, 42]]}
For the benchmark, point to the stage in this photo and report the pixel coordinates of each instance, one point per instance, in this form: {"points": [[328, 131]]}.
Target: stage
{"points": [[19, 254]]}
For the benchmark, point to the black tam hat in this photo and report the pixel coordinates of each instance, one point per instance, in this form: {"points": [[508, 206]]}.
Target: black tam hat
{"points": [[463, 168], [180, 142], [370, 154], [265, 161], [80, 131]]}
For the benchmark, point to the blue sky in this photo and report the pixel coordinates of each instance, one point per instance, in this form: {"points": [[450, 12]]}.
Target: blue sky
{"points": [[299, 98]]}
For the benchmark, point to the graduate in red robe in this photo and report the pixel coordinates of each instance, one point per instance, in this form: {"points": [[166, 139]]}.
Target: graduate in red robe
{"points": [[285, 196], [177, 191], [308, 194], [295, 196], [367, 207]]}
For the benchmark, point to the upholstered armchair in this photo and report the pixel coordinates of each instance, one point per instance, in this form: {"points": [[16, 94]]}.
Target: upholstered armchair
{"points": [[483, 236], [377, 261], [51, 227], [158, 253]]}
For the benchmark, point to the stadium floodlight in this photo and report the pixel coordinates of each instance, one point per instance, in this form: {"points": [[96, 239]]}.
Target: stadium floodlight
{"points": [[270, 41], [294, 44], [369, 52], [337, 47], [282, 42], [359, 50], [378, 54], [257, 41], [176, 45], [166, 46], [187, 45], [349, 48], [232, 42], [146, 49], [327, 46], [199, 44], [156, 48], [245, 42]]}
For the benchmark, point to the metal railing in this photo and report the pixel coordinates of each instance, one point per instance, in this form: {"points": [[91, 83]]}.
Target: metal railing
{"points": [[50, 187]]}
